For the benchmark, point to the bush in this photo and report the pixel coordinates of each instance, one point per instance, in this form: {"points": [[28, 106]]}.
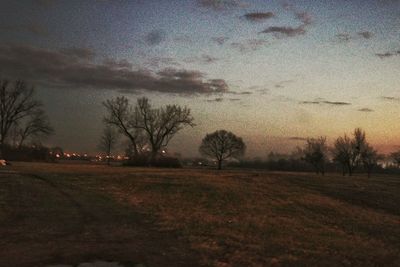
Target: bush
{"points": [[162, 162], [26, 153]]}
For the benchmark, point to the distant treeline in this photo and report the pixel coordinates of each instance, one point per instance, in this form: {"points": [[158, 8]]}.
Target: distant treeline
{"points": [[299, 165]]}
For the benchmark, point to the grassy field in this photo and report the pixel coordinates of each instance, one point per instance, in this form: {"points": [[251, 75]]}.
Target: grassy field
{"points": [[68, 214]]}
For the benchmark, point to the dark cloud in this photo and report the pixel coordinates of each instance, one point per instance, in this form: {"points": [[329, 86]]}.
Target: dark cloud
{"points": [[121, 64], [326, 102], [249, 45], [32, 28], [366, 34], [285, 31], [297, 138], [79, 53], [366, 110], [155, 37], [64, 68], [220, 40], [219, 5], [259, 16], [44, 3]]}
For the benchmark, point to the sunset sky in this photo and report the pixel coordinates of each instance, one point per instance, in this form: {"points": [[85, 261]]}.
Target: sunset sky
{"points": [[272, 72]]}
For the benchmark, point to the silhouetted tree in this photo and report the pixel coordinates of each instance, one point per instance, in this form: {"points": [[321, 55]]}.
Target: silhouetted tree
{"points": [[369, 158], [347, 151], [222, 145], [122, 116], [36, 125], [16, 104], [108, 141], [315, 152], [160, 124], [146, 126], [396, 158]]}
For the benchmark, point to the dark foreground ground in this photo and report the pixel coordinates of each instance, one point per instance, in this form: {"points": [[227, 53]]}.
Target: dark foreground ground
{"points": [[69, 214]]}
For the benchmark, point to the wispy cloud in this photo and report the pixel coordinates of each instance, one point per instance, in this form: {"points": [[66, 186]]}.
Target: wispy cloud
{"points": [[388, 54], [343, 37], [220, 40], [297, 138], [240, 93], [326, 102], [366, 110], [346, 37], [218, 99], [249, 45], [285, 31], [390, 98], [155, 37], [282, 84], [76, 68], [159, 62], [203, 59], [303, 17], [259, 16], [366, 34], [219, 5]]}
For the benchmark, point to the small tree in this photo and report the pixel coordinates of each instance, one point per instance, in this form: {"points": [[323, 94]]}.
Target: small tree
{"points": [[351, 153], [396, 158], [315, 152], [369, 158], [222, 145], [342, 153], [108, 141]]}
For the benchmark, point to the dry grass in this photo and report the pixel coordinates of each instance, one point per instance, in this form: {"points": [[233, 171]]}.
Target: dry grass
{"points": [[228, 218]]}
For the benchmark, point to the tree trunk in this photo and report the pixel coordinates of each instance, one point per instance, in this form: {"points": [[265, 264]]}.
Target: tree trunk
{"points": [[219, 164]]}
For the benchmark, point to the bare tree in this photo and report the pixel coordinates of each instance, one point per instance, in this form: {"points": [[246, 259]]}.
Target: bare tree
{"points": [[144, 125], [121, 115], [396, 158], [369, 158], [35, 125], [107, 141], [160, 124], [222, 145], [316, 153], [16, 103]]}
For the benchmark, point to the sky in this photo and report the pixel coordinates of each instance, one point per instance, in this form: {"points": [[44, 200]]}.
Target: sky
{"points": [[272, 72]]}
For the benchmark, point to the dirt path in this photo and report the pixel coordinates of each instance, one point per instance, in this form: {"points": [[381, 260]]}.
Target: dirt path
{"points": [[43, 222]]}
